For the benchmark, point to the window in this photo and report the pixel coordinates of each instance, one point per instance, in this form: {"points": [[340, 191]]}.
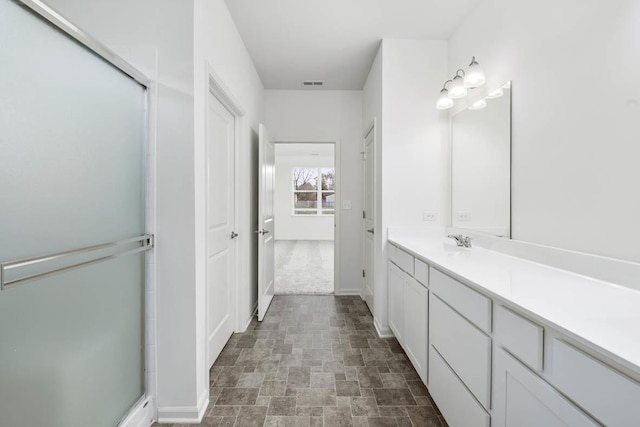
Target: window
{"points": [[311, 185]]}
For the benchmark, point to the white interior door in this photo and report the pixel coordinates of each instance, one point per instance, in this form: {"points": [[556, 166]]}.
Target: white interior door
{"points": [[368, 221], [266, 222], [220, 226]]}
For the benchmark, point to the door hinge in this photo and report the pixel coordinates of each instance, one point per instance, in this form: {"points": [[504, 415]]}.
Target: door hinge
{"points": [[364, 274], [364, 214], [364, 155]]}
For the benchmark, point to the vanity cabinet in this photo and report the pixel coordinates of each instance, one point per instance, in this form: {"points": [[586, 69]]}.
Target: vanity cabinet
{"points": [[408, 301], [489, 363], [522, 399]]}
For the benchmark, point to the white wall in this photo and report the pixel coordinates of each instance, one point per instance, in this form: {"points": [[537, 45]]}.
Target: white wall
{"points": [[218, 45], [329, 116], [412, 144], [576, 103], [288, 225], [157, 37]]}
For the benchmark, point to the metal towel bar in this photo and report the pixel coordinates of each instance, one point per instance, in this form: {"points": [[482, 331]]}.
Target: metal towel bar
{"points": [[145, 240]]}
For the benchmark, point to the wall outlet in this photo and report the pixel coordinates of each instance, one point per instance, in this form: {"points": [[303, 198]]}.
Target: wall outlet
{"points": [[464, 216], [429, 216], [346, 205]]}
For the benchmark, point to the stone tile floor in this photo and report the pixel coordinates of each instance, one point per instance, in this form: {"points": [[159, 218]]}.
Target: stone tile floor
{"points": [[316, 361]]}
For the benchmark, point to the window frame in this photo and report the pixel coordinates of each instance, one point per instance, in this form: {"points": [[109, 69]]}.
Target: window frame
{"points": [[318, 211]]}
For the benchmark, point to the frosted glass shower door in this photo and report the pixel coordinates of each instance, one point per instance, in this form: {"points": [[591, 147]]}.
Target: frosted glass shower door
{"points": [[72, 150]]}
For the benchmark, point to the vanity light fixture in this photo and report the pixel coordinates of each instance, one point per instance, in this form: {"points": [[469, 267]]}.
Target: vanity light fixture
{"points": [[444, 102], [463, 80], [475, 75], [458, 88], [495, 94], [478, 105]]}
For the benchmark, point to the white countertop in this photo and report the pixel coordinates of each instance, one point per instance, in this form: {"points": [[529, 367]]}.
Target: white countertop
{"points": [[601, 315]]}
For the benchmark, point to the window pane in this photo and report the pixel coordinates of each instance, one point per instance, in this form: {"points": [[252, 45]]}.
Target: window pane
{"points": [[328, 200], [328, 178], [305, 200], [298, 212], [305, 178]]}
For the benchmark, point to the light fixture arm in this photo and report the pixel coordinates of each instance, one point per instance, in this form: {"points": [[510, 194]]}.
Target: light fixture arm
{"points": [[444, 86], [460, 70]]}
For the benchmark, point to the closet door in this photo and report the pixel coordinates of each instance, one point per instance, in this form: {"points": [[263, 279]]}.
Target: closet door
{"points": [[72, 149]]}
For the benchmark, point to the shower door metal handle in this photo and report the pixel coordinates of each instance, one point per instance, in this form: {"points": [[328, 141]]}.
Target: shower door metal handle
{"points": [[146, 243]]}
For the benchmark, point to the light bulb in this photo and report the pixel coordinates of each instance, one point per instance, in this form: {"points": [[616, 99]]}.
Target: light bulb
{"points": [[478, 105], [475, 75], [457, 89], [495, 94], [444, 102]]}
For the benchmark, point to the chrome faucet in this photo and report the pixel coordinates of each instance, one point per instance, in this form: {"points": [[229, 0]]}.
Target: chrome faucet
{"points": [[461, 241]]}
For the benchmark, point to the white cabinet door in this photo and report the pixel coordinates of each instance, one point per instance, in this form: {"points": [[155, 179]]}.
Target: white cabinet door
{"points": [[396, 301], [522, 399], [416, 299]]}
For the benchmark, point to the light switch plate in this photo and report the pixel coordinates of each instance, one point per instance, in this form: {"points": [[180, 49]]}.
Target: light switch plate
{"points": [[346, 205]]}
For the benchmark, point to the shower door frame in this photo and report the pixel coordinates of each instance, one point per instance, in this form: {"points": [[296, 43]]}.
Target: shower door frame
{"points": [[142, 408]]}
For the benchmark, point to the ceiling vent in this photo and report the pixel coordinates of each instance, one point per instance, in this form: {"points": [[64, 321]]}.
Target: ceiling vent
{"points": [[312, 83]]}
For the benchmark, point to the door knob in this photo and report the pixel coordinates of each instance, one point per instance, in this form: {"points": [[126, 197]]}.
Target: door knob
{"points": [[234, 234], [370, 231], [262, 231]]}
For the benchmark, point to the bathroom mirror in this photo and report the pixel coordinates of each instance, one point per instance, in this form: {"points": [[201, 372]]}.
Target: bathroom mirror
{"points": [[481, 165]]}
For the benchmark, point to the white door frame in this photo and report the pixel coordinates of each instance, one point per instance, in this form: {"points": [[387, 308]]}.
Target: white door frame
{"points": [[221, 92], [336, 232], [371, 128]]}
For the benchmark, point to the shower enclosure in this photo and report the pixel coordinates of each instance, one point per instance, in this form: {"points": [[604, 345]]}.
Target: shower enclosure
{"points": [[72, 224]]}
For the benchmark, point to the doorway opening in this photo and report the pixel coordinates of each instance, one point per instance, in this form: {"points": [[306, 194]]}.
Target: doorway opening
{"points": [[305, 206]]}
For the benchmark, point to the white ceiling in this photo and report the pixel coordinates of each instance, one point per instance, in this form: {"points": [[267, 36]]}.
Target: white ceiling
{"points": [[304, 149], [335, 40]]}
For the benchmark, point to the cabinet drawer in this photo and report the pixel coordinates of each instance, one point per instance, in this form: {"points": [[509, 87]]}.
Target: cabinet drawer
{"points": [[455, 402], [471, 304], [404, 260], [466, 349], [521, 337], [421, 272], [608, 395], [391, 252]]}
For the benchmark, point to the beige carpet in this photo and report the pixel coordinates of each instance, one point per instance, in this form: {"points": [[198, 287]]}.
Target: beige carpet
{"points": [[304, 267]]}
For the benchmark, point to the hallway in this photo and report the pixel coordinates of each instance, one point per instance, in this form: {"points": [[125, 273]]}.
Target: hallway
{"points": [[316, 361]]}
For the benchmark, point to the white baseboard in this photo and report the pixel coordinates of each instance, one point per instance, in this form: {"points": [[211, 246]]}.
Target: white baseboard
{"points": [[254, 312], [382, 332], [141, 415], [185, 414], [349, 292]]}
